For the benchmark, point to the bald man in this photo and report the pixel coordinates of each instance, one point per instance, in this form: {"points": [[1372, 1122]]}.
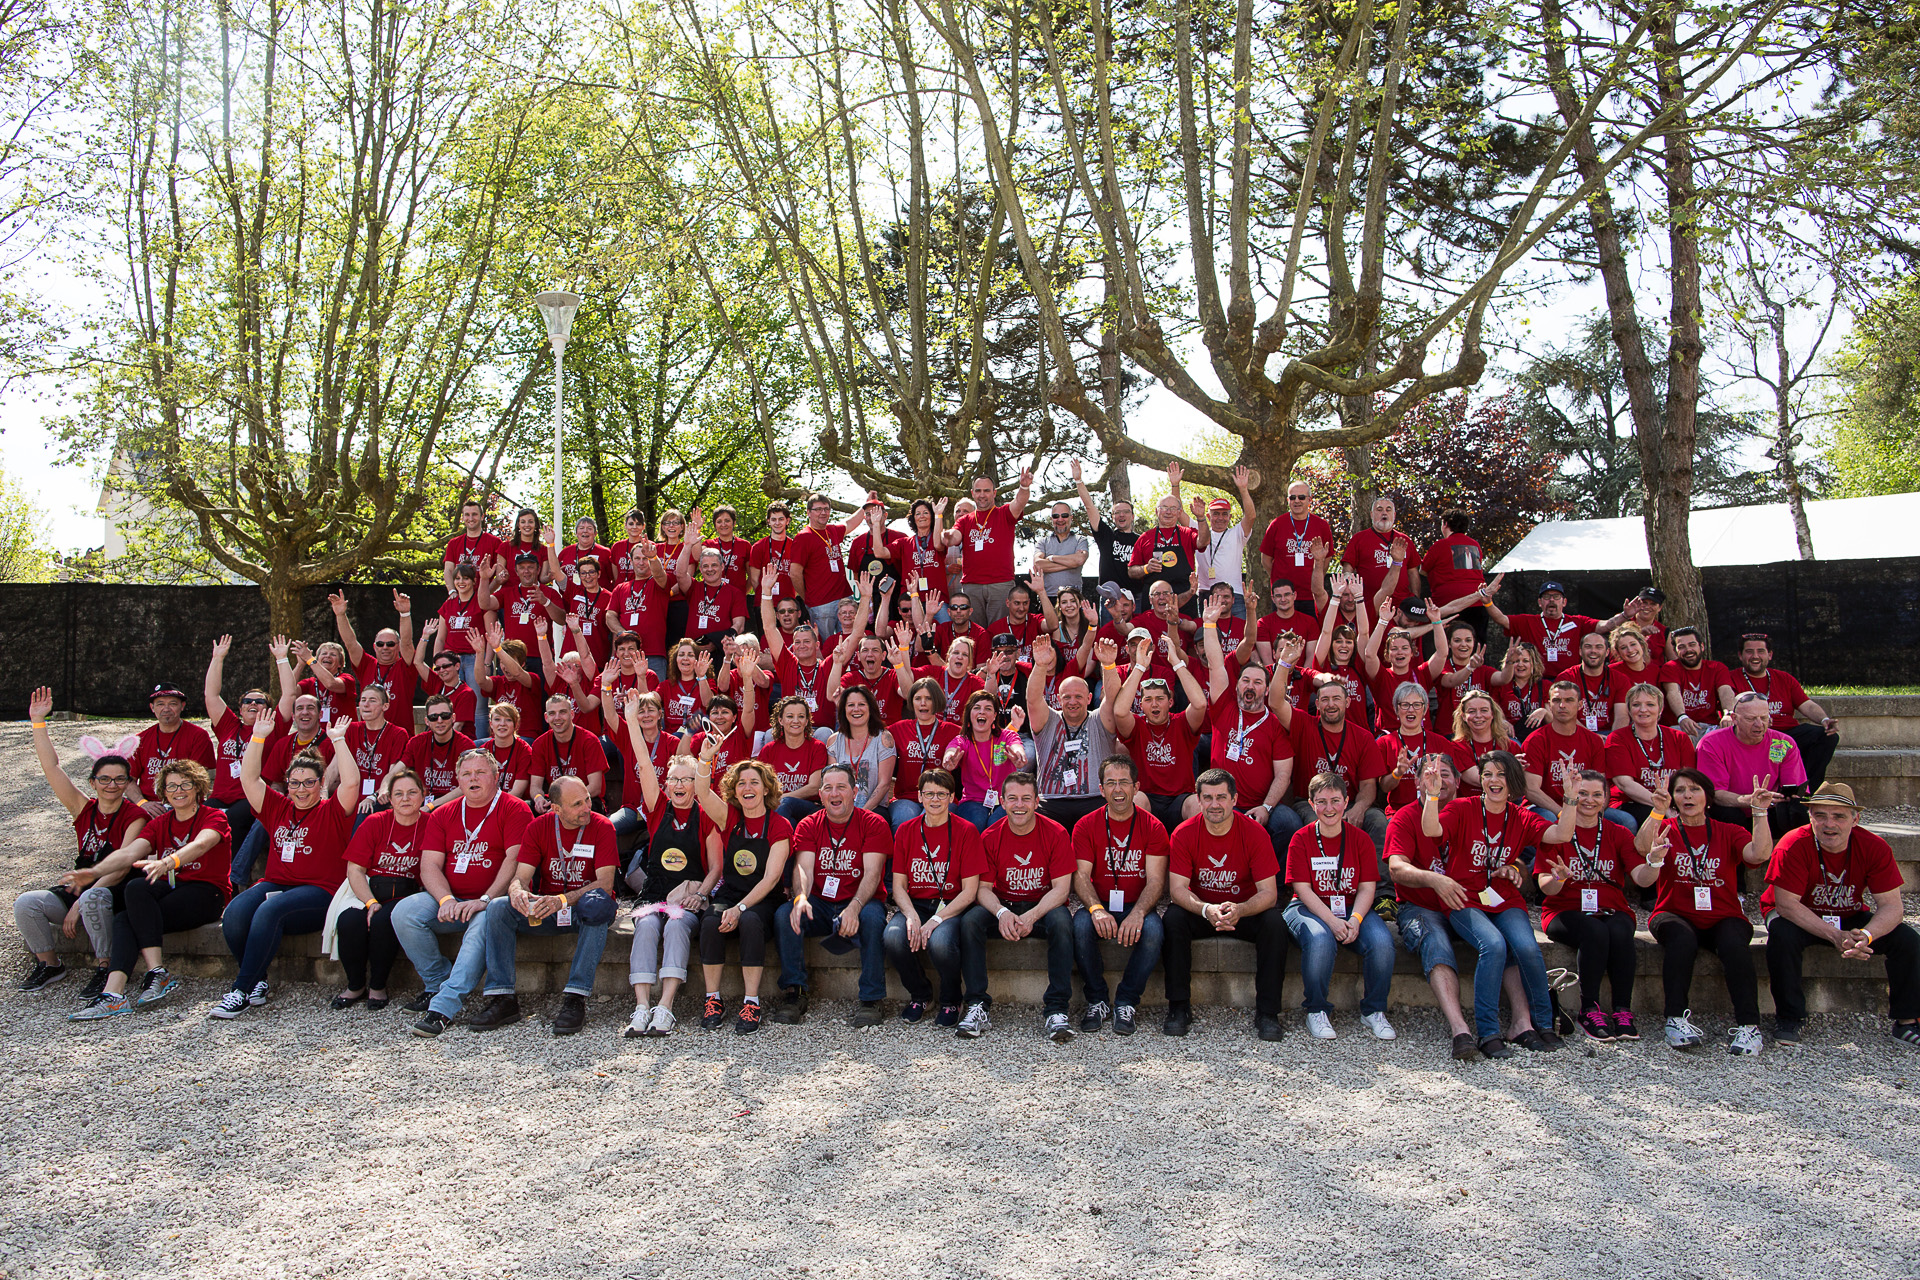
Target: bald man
{"points": [[1070, 743]]}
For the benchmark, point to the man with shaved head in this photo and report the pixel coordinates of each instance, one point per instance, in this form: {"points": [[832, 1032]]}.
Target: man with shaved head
{"points": [[1070, 743]]}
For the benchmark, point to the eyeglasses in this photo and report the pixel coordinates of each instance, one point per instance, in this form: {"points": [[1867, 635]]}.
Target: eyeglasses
{"points": [[1299, 497], [1063, 517], [175, 788], [444, 667], [112, 780], [386, 644], [302, 782], [959, 608], [437, 717]]}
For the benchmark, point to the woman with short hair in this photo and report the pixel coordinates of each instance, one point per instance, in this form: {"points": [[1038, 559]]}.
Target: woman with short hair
{"points": [[936, 868], [982, 758], [669, 877], [746, 866], [383, 866]]}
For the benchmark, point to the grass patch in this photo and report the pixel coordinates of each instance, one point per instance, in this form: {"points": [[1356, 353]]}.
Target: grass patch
{"points": [[1816, 690]]}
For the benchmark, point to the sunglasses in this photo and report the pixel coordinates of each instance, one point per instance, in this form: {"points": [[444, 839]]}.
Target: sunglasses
{"points": [[253, 702], [1155, 683], [438, 717], [386, 644]]}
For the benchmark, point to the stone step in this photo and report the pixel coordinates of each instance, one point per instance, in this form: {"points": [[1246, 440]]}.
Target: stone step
{"points": [[1881, 777], [1222, 972], [1875, 720], [1903, 833]]}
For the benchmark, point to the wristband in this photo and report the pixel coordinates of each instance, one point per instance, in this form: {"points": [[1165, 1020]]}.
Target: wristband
{"points": [[1656, 817], [258, 737], [177, 864], [39, 724], [1868, 936], [1101, 910], [1108, 666], [1002, 913], [1213, 626], [444, 901], [371, 902]]}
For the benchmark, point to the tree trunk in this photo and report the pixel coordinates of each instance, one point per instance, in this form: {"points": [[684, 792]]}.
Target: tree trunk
{"points": [[1784, 438], [285, 613], [1269, 504]]}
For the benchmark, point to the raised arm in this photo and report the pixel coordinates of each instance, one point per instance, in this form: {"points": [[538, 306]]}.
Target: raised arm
{"points": [[1018, 506], [344, 629], [39, 707], [1087, 503], [216, 669]]}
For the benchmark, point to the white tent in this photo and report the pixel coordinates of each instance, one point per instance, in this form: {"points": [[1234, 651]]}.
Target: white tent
{"points": [[1884, 528]]}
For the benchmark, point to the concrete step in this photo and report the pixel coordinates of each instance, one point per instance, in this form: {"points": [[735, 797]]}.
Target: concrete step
{"points": [[1223, 972], [1875, 720], [1881, 777], [1902, 831]]}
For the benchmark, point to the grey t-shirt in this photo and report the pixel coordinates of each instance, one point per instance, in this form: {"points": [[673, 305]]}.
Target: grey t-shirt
{"points": [[1067, 760], [1071, 545]]}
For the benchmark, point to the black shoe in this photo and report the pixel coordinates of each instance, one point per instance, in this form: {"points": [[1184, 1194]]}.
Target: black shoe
{"points": [[1463, 1047], [1179, 1018], [96, 984], [913, 1011], [419, 1003], [1534, 1040], [714, 1013], [1267, 1027], [1786, 1031], [498, 1011], [1094, 1018], [43, 976], [377, 1003], [948, 1016], [1123, 1020], [432, 1024], [869, 1014], [791, 1011], [346, 1000], [1495, 1047], [572, 1015], [747, 1021]]}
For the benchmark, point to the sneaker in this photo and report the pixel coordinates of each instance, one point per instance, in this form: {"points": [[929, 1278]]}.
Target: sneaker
{"points": [[1623, 1025], [1682, 1034], [231, 1005], [1095, 1015], [1745, 1041], [1907, 1033], [1464, 1049], [432, 1024], [572, 1015], [498, 1011], [155, 987], [105, 1007], [638, 1024], [1179, 1019], [713, 1013], [1378, 1026], [1596, 1025], [869, 1014], [1123, 1020], [792, 1009], [419, 1003], [43, 976], [258, 996], [1059, 1029], [913, 1011], [975, 1022], [1320, 1026], [662, 1021], [1786, 1031], [747, 1021], [948, 1016], [96, 984], [1534, 1040]]}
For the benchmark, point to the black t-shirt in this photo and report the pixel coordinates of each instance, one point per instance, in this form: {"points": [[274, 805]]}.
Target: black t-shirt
{"points": [[1116, 552]]}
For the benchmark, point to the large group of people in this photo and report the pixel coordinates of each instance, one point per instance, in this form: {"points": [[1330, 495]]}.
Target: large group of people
{"points": [[884, 737]]}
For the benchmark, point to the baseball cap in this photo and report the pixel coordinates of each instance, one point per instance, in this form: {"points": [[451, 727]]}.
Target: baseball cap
{"points": [[1006, 640], [1414, 609], [1219, 504], [1653, 595], [1139, 633], [167, 689], [526, 557], [1551, 585], [1111, 592]]}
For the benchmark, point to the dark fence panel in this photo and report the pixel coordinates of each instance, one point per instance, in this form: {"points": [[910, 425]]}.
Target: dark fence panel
{"points": [[103, 646], [1832, 622]]}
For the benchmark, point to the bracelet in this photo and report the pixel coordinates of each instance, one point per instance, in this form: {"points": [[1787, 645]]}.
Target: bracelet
{"points": [[1868, 936], [1101, 910], [1213, 626], [371, 902], [39, 724], [258, 738], [1656, 817], [177, 864], [1003, 913], [444, 901]]}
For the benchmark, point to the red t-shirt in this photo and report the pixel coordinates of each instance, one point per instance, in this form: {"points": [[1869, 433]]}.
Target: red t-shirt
{"points": [[586, 719], [640, 606], [956, 692], [591, 608], [1448, 698], [463, 624], [1387, 748], [1405, 839], [1557, 757], [795, 766], [1647, 762], [459, 693], [282, 750], [733, 749], [944, 634], [565, 861], [382, 847], [1349, 751], [1371, 556], [1596, 698], [1600, 860], [1118, 851], [986, 545], [809, 683], [885, 687], [839, 850], [523, 613], [923, 564], [1023, 867], [525, 698], [735, 558], [1385, 681], [681, 700], [305, 847], [1783, 693], [1287, 541], [188, 742], [515, 760], [936, 860], [231, 737], [781, 554], [1453, 568], [622, 552], [570, 560], [1225, 868], [1619, 680], [465, 548], [1163, 753], [1247, 745], [1832, 884], [1334, 868], [167, 834], [333, 706], [1699, 690], [398, 678], [917, 749], [580, 756], [1271, 626], [375, 753], [1479, 845], [659, 755], [711, 609], [1518, 702], [475, 840], [823, 563], [434, 761], [1025, 632], [1559, 646], [1697, 860], [96, 834]]}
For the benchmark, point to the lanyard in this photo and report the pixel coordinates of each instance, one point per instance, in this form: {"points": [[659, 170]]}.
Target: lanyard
{"points": [[923, 742], [1525, 701], [983, 761], [948, 692], [1486, 837], [939, 869], [1654, 761], [1846, 856], [1686, 842], [1339, 853], [1126, 846], [1241, 728], [565, 767], [1586, 866], [1586, 694], [1766, 693], [1333, 753], [473, 833]]}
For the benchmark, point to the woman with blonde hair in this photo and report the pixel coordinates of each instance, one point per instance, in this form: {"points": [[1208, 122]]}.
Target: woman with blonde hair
{"points": [[1520, 687], [1479, 726], [746, 866], [1632, 664]]}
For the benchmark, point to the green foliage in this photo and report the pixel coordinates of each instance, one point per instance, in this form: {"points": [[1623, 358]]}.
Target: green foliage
{"points": [[1874, 445], [26, 551]]}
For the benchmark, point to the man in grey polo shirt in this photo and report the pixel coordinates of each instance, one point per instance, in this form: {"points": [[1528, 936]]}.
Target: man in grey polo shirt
{"points": [[1068, 744], [1062, 552]]}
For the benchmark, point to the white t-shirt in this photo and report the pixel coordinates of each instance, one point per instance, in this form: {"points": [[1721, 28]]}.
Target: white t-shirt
{"points": [[1224, 559]]}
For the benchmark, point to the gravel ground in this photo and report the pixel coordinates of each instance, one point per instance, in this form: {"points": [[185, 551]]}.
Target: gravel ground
{"points": [[298, 1142]]}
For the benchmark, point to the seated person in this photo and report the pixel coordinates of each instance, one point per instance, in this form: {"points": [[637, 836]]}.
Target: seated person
{"points": [[666, 873], [937, 865], [1120, 875], [1161, 743], [1333, 868], [746, 870], [1022, 895], [1585, 886], [839, 870], [1747, 754], [383, 866]]}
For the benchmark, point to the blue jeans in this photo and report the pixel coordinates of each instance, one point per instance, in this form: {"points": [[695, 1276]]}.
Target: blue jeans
{"points": [[793, 810], [1318, 949], [246, 855], [1143, 958], [468, 661], [980, 926], [255, 920], [1423, 932], [824, 919], [903, 811], [1503, 938], [1282, 822], [978, 814], [415, 922], [504, 927], [825, 618], [659, 668], [943, 948]]}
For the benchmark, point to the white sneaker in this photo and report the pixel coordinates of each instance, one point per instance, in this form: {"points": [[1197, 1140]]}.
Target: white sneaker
{"points": [[258, 996], [1320, 1026], [1377, 1023], [1746, 1042], [1059, 1029], [231, 1005], [974, 1023], [637, 1024], [1682, 1034], [662, 1021]]}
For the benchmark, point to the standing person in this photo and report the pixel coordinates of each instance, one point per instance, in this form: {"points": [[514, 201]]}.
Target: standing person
{"points": [[230, 734], [1632, 665], [1114, 535], [529, 538], [735, 553], [1643, 752], [1220, 543], [985, 537], [168, 738], [1584, 884], [1296, 544], [667, 873], [473, 545], [1553, 631], [936, 869], [469, 852], [839, 893], [1453, 568], [307, 835], [924, 560], [175, 879], [1061, 554], [102, 823], [383, 866], [714, 604], [1250, 743], [585, 546], [463, 628], [1334, 872], [742, 882], [819, 554], [983, 758], [390, 665], [376, 747], [1816, 896], [1023, 894], [1698, 692], [1223, 881], [581, 603], [776, 554], [677, 550], [1165, 552], [1793, 713], [1120, 875], [1380, 553], [625, 561], [1068, 744], [520, 604], [509, 750], [1697, 905], [330, 681]]}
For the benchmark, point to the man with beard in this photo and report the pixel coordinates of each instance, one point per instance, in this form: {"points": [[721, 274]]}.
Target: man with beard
{"points": [[1699, 691]]}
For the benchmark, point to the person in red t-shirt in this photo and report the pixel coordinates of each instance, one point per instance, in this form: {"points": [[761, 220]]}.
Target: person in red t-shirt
{"points": [[434, 753], [1697, 905], [625, 553], [1817, 887], [820, 555], [1330, 741], [1643, 752], [1584, 883], [1458, 668], [1334, 874], [1164, 554], [1795, 714], [1553, 631], [1223, 881], [330, 682], [920, 741], [1401, 665], [938, 863], [797, 663], [796, 756], [923, 561], [777, 553], [585, 546], [230, 730], [376, 746], [390, 665], [713, 603], [954, 678], [169, 737], [1560, 749], [1160, 742], [839, 892], [1383, 556], [1285, 618], [1295, 547], [1595, 684], [565, 750], [583, 602], [1022, 895], [383, 866], [1697, 691], [1631, 666], [1453, 569], [1120, 873], [985, 537], [513, 753], [1406, 743], [473, 545]]}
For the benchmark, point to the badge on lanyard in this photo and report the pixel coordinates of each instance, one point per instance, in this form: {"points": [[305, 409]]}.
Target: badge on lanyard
{"points": [[1116, 900], [1703, 897], [1593, 723], [830, 887], [992, 800], [1833, 921], [1337, 903], [1590, 901]]}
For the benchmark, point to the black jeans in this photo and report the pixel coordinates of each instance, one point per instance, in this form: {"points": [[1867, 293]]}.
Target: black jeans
{"points": [[154, 910], [980, 926], [1787, 942], [1605, 944], [368, 947], [1068, 810], [1266, 931], [1816, 750], [755, 930], [1680, 943]]}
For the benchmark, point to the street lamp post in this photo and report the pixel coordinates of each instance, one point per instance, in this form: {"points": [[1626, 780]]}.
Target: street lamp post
{"points": [[557, 309]]}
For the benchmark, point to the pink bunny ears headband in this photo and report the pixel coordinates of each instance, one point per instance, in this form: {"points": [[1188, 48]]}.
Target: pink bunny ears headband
{"points": [[96, 748]]}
